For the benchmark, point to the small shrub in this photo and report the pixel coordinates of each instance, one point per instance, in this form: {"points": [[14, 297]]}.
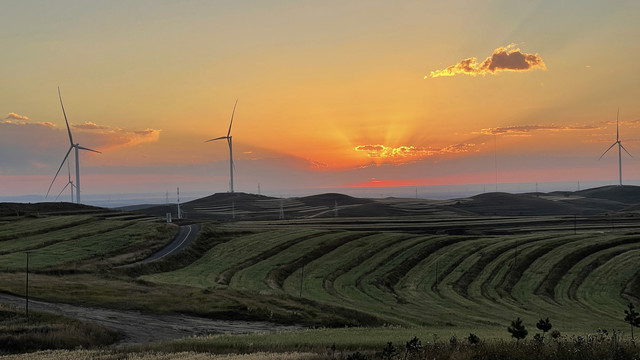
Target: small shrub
{"points": [[555, 334], [414, 345], [389, 352], [333, 351], [517, 330], [357, 356], [544, 326], [453, 341], [632, 317], [473, 339]]}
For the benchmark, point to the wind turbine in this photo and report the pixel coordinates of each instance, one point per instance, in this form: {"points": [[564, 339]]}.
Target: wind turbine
{"points": [[77, 147], [228, 138], [70, 182], [620, 148]]}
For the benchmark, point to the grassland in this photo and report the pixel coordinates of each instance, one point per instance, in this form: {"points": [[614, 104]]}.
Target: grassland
{"points": [[64, 242], [42, 331], [581, 280], [396, 276]]}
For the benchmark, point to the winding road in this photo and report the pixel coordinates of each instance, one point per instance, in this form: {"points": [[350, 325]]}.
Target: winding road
{"points": [[185, 236], [139, 328]]}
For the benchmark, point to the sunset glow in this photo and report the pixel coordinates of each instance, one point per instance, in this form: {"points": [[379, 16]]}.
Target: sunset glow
{"points": [[330, 94]]}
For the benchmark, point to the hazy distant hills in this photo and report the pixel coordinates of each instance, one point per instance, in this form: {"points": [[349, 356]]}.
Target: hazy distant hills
{"points": [[223, 206], [243, 206], [52, 208]]}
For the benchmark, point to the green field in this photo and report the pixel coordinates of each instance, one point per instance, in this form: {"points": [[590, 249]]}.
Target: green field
{"points": [[581, 281], [58, 242], [397, 282]]}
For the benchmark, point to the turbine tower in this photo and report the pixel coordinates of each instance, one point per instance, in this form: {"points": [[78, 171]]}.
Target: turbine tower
{"points": [[228, 138], [77, 147], [69, 182], [620, 148]]}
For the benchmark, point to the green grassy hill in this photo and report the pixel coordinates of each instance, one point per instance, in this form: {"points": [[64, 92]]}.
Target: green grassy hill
{"points": [[433, 270], [580, 281]]}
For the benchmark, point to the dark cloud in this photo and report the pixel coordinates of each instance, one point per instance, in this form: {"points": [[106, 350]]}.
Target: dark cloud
{"points": [[508, 58]]}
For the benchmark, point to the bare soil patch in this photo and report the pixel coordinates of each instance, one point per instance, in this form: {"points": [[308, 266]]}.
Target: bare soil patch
{"points": [[139, 328]]}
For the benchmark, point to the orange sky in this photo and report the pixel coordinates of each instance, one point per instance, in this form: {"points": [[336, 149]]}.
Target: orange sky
{"points": [[329, 94]]}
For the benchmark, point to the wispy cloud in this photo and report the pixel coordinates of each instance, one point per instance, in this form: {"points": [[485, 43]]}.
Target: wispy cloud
{"points": [[14, 116], [88, 125], [402, 154], [525, 130], [507, 58], [106, 138], [95, 136], [17, 119]]}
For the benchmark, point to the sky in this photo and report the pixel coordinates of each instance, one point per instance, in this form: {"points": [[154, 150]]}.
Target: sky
{"points": [[332, 94]]}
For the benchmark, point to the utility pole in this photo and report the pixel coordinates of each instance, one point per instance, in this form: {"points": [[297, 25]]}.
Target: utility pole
{"points": [[301, 279], [179, 213], [27, 289], [281, 209]]}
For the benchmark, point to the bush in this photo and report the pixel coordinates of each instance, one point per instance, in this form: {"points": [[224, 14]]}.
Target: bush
{"points": [[517, 330]]}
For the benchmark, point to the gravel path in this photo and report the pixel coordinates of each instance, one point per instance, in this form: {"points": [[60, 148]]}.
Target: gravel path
{"points": [[139, 328]]}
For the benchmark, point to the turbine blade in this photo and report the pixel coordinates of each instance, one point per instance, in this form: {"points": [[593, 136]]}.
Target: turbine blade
{"points": [[84, 148], [57, 172], [61, 191], [625, 150], [65, 117], [610, 147], [218, 138], [231, 123]]}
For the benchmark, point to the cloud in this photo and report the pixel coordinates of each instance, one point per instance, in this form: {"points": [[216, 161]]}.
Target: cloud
{"points": [[507, 58], [524, 130], [105, 138], [17, 120], [88, 125], [315, 164], [402, 154], [15, 116], [46, 124]]}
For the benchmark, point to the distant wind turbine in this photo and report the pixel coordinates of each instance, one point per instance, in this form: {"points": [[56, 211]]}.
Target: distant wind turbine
{"points": [[228, 138], [620, 148], [77, 147], [70, 182]]}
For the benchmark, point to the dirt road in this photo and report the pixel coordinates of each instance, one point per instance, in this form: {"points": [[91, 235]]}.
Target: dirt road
{"points": [[139, 328]]}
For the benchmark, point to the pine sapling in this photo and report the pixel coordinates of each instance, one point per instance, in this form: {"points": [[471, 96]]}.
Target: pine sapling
{"points": [[632, 317], [517, 330]]}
